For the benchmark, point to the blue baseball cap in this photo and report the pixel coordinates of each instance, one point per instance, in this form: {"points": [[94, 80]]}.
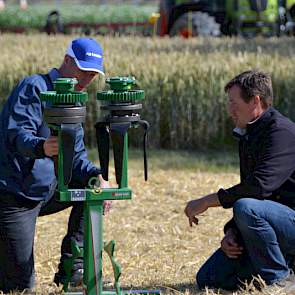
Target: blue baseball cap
{"points": [[87, 54]]}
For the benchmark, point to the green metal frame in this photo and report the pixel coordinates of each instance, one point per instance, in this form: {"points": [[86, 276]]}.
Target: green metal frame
{"points": [[93, 196]]}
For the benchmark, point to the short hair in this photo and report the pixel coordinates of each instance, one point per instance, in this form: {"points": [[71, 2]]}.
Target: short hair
{"points": [[251, 83]]}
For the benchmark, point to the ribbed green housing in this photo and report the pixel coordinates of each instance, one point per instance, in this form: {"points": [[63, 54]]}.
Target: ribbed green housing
{"points": [[69, 98], [121, 96], [64, 93], [121, 90]]}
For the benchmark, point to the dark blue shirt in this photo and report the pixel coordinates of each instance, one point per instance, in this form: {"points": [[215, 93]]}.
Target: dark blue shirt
{"points": [[267, 162], [24, 170]]}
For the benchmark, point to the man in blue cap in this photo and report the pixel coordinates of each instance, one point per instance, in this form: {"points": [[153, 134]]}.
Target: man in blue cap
{"points": [[27, 178]]}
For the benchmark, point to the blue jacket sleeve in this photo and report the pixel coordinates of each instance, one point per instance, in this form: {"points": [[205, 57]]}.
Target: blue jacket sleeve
{"points": [[25, 118], [83, 169]]}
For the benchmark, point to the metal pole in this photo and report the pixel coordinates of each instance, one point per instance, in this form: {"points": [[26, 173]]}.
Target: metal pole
{"points": [[93, 247]]}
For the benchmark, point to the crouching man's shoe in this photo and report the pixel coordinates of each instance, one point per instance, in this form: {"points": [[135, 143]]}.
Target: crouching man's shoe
{"points": [[287, 284]]}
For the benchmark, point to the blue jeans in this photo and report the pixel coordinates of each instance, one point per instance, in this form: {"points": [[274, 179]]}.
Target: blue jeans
{"points": [[268, 233], [18, 218]]}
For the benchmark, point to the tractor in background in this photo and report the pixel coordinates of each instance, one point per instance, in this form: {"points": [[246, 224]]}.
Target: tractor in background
{"points": [[226, 17]]}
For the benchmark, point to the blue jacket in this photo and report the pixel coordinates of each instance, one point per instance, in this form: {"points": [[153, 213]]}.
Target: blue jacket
{"points": [[24, 169]]}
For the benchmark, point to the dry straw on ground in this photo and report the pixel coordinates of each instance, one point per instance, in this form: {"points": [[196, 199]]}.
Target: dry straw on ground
{"points": [[155, 245]]}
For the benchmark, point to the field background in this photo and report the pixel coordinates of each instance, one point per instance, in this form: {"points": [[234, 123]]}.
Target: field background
{"points": [[183, 79], [33, 19], [186, 106], [155, 245]]}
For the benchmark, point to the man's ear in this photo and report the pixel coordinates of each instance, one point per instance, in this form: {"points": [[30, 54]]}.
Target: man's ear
{"points": [[256, 100], [67, 59]]}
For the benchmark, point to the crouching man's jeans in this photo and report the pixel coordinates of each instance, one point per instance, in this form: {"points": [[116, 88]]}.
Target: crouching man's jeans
{"points": [[268, 232]]}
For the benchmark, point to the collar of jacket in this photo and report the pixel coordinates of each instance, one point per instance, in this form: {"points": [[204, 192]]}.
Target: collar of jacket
{"points": [[260, 122], [254, 126], [54, 74], [50, 77]]}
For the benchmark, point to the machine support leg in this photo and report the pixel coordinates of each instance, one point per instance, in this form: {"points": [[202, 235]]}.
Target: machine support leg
{"points": [[93, 247]]}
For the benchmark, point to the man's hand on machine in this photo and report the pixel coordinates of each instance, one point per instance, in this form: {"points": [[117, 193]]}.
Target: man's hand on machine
{"points": [[103, 183], [50, 146], [106, 204]]}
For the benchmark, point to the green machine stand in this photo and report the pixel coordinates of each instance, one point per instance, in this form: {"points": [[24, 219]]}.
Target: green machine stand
{"points": [[64, 112]]}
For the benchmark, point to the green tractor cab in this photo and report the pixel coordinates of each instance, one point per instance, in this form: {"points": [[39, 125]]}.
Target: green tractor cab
{"points": [[231, 17]]}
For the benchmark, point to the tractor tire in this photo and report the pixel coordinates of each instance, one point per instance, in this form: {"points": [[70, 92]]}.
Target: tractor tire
{"points": [[292, 15], [202, 25]]}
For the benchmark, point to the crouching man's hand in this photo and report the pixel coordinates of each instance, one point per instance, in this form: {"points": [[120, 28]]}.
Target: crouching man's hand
{"points": [[194, 208], [198, 206], [230, 246], [108, 203]]}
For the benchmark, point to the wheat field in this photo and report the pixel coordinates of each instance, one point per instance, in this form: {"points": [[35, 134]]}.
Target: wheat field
{"points": [[155, 245], [183, 80]]}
